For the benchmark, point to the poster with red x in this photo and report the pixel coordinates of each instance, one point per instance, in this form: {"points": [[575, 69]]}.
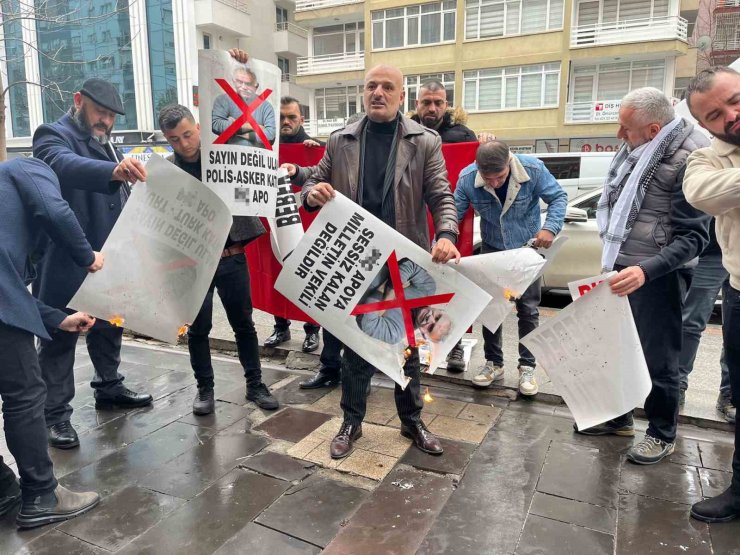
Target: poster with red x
{"points": [[239, 103], [377, 291]]}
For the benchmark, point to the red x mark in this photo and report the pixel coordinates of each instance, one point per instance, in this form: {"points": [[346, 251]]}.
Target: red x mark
{"points": [[401, 302], [246, 116]]}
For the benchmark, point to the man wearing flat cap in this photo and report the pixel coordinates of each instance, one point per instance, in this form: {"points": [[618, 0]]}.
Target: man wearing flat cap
{"points": [[96, 181]]}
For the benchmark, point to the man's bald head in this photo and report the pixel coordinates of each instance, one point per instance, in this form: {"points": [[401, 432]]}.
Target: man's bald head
{"points": [[383, 92]]}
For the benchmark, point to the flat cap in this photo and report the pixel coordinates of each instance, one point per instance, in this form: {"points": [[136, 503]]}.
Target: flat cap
{"points": [[103, 93]]}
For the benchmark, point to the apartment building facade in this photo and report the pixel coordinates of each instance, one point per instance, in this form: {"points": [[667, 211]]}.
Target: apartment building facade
{"points": [[544, 75]]}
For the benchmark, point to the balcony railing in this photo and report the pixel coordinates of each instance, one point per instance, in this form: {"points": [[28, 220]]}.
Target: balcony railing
{"points": [[728, 4], [632, 30], [303, 5], [323, 127], [240, 5], [331, 63], [292, 28], [287, 78], [599, 111]]}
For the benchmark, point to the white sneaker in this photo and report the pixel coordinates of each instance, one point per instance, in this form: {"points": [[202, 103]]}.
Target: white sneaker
{"points": [[489, 373], [527, 382]]}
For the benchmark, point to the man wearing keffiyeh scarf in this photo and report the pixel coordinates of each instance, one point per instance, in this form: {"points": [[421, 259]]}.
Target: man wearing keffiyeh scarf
{"points": [[652, 237]]}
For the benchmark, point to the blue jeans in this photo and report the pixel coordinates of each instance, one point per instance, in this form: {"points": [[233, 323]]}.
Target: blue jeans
{"points": [[707, 280]]}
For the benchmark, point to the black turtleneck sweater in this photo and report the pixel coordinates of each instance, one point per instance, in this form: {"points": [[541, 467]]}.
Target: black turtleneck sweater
{"points": [[378, 142]]}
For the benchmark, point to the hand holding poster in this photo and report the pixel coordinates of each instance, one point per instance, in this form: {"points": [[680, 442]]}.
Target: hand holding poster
{"points": [[238, 106], [592, 354], [375, 290], [160, 256]]}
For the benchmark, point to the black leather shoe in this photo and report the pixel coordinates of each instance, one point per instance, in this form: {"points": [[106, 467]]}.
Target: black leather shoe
{"points": [[722, 508], [59, 505], [124, 399], [204, 402], [63, 436], [323, 378], [343, 442], [456, 359], [262, 397], [277, 337], [311, 343], [423, 438], [10, 497]]}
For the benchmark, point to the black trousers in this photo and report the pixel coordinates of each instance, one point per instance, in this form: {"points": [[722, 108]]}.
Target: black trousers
{"points": [[657, 308], [331, 355], [356, 375], [23, 393], [231, 280], [283, 324], [7, 478], [57, 360], [731, 335], [528, 318]]}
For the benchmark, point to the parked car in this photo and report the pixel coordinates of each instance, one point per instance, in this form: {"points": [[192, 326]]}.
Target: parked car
{"points": [[578, 172]]}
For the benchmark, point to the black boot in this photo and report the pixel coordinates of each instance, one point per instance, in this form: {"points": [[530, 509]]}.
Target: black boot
{"points": [[261, 396], [63, 436], [323, 378], [204, 402], [9, 497], [311, 343], [277, 337], [723, 508], [124, 399], [59, 505]]}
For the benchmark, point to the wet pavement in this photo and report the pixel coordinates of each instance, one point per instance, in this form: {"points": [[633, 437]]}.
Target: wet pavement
{"points": [[514, 477]]}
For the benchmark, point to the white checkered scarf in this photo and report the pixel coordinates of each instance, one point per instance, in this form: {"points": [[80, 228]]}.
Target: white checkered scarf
{"points": [[629, 175]]}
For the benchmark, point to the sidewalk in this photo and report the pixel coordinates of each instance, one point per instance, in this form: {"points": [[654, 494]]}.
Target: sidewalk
{"points": [[700, 399], [514, 477]]}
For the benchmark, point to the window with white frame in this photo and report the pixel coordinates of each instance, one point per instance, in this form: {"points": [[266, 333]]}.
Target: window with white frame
{"points": [[607, 12], [431, 23], [600, 82], [413, 82], [338, 102], [501, 18], [512, 88], [348, 38]]}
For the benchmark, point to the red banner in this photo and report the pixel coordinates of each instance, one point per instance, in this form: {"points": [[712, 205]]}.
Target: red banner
{"points": [[264, 267]]}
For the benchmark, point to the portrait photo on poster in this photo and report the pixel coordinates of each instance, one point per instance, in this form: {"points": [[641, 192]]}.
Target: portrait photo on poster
{"points": [[239, 107]]}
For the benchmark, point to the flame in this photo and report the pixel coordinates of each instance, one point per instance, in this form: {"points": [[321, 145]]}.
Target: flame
{"points": [[428, 396], [117, 321], [510, 294], [182, 330]]}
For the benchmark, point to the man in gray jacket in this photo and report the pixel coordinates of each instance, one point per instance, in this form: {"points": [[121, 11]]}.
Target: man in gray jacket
{"points": [[650, 234], [393, 167]]}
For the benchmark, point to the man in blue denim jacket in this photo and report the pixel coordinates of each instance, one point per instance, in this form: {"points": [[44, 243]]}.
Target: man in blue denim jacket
{"points": [[505, 189]]}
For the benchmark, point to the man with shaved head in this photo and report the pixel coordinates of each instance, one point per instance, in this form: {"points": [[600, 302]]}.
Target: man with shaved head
{"points": [[392, 167]]}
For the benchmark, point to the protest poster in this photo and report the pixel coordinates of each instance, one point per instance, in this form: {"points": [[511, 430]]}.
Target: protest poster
{"points": [[239, 110], [160, 256], [264, 266], [592, 354], [286, 225], [582, 286], [375, 290]]}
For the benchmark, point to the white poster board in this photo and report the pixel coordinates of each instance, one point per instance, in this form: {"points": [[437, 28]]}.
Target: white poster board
{"points": [[592, 354], [239, 115], [285, 224], [582, 286], [160, 256], [377, 291]]}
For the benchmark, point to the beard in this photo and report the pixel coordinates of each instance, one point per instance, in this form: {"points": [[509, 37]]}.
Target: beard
{"points": [[729, 136], [431, 122], [80, 118]]}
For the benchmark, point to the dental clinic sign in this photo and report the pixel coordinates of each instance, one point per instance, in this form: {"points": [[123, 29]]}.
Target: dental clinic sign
{"points": [[606, 110]]}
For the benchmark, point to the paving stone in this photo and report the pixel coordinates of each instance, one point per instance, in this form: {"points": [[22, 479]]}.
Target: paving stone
{"points": [[648, 525], [291, 394], [320, 455], [725, 537], [329, 403], [12, 539], [542, 535], [155, 358], [222, 417], [314, 510], [444, 407], [686, 452], [383, 440], [121, 518], [56, 542], [395, 422], [277, 466], [134, 372], [453, 461], [670, 482], [212, 518], [486, 513], [301, 449], [368, 464], [258, 540], [168, 383], [716, 456], [129, 464], [394, 519], [461, 430], [292, 424], [582, 514], [88, 417], [195, 470], [714, 482], [485, 414], [580, 473]]}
